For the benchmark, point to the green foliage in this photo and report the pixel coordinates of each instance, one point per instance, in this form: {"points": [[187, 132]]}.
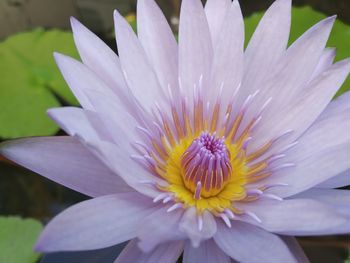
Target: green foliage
{"points": [[31, 83], [302, 19], [17, 238]]}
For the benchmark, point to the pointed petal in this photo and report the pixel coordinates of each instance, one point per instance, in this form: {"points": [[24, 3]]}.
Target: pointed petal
{"points": [[266, 46], [165, 253], [215, 11], [96, 223], [294, 216], [207, 252], [247, 243], [158, 42], [153, 233], [295, 248], [189, 225], [75, 122], [140, 75], [337, 199], [227, 66], [325, 62], [195, 47], [65, 161], [100, 58], [322, 153], [302, 112], [340, 180]]}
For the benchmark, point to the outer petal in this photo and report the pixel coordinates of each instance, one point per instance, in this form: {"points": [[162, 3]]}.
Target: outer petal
{"points": [[67, 162], [295, 248], [322, 152], [140, 75], [325, 62], [189, 224], [154, 232], [96, 223], [100, 59], [295, 216], [340, 180], [166, 253], [337, 199], [159, 43], [293, 74], [207, 252], [195, 47], [247, 243], [215, 11], [227, 66], [266, 46]]}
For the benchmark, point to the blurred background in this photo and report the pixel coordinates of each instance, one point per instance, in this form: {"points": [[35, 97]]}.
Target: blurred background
{"points": [[30, 83]]}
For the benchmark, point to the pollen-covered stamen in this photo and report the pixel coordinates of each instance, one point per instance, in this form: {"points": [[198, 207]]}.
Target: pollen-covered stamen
{"points": [[206, 166]]}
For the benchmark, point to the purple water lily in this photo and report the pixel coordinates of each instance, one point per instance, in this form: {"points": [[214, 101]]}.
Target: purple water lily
{"points": [[199, 147]]}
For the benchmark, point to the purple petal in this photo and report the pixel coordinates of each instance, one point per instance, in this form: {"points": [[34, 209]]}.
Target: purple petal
{"points": [[189, 225], [195, 47], [158, 42], [325, 62], [96, 223], [340, 180], [266, 46], [228, 56], [322, 153], [294, 216], [207, 252], [296, 97], [160, 227], [247, 243], [75, 121], [138, 71], [216, 11], [166, 253], [79, 78], [295, 248], [101, 59], [67, 162]]}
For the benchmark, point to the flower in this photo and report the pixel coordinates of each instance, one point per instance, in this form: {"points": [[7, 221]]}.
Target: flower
{"points": [[199, 146]]}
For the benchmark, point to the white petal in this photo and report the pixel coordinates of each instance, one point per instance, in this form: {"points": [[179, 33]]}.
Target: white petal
{"points": [[322, 153], [207, 252], [266, 46], [195, 47], [325, 62], [165, 253], [189, 224], [158, 42], [340, 180], [100, 59], [65, 161], [295, 248], [153, 233], [294, 216], [96, 223], [140, 75], [227, 66], [247, 243], [215, 11]]}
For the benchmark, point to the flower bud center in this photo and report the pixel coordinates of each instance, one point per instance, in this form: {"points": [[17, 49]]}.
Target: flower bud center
{"points": [[206, 166]]}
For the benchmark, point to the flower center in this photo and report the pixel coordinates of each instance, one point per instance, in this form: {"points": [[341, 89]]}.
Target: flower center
{"points": [[206, 166]]}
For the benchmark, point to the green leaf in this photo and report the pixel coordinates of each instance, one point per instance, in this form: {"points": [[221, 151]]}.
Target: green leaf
{"points": [[17, 238], [31, 83], [302, 19]]}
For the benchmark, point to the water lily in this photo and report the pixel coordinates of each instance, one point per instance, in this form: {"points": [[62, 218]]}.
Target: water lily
{"points": [[201, 147]]}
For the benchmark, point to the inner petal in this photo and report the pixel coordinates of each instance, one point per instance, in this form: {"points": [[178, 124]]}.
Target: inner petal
{"points": [[206, 166]]}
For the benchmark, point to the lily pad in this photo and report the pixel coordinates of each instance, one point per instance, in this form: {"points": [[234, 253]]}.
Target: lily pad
{"points": [[31, 83], [17, 238], [302, 19]]}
